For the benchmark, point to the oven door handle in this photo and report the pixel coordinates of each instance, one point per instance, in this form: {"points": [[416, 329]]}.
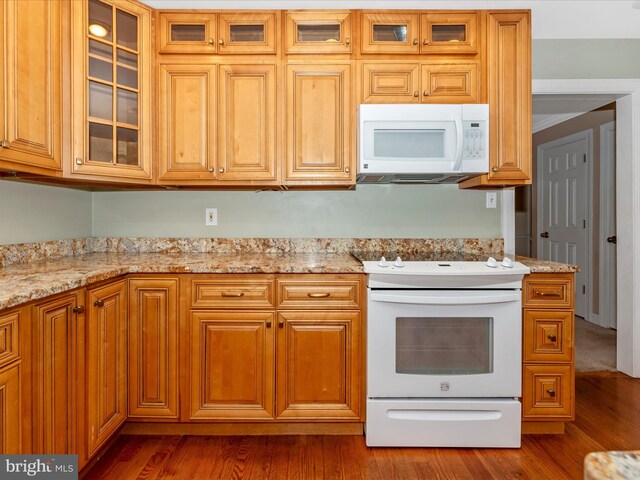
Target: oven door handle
{"points": [[436, 299]]}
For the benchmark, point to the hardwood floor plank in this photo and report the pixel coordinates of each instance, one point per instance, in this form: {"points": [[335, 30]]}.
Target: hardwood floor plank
{"points": [[607, 418]]}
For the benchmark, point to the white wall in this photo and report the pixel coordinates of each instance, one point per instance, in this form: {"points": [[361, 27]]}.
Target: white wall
{"points": [[36, 213], [368, 211]]}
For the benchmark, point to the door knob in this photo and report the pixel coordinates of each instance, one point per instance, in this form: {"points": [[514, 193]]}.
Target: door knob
{"points": [[544, 234], [612, 239]]}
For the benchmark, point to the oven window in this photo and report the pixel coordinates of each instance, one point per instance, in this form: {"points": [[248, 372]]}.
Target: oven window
{"points": [[405, 143], [444, 345]]}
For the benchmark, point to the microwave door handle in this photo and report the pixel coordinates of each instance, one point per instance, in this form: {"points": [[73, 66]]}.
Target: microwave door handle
{"points": [[458, 163]]}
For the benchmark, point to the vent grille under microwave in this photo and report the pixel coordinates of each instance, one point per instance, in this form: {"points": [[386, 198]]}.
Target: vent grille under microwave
{"points": [[418, 178]]}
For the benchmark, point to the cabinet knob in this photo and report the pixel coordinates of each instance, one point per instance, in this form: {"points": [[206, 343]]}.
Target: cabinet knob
{"points": [[4, 143], [552, 337], [221, 170], [415, 41], [281, 324], [416, 93], [221, 42], [347, 169], [425, 41], [78, 161], [78, 309], [268, 324], [551, 392], [210, 169], [211, 41], [347, 41], [425, 93], [98, 303], [494, 168]]}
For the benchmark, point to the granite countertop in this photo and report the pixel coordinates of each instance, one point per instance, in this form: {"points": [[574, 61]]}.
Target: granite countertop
{"points": [[23, 282], [619, 465]]}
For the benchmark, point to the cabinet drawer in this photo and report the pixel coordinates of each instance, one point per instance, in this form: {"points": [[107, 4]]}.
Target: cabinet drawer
{"points": [[553, 291], [547, 391], [9, 337], [315, 292], [548, 336], [233, 291]]}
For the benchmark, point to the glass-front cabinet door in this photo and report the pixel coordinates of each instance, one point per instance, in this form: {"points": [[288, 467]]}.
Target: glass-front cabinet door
{"points": [[110, 91], [187, 32], [247, 33], [318, 32], [396, 33], [449, 32]]}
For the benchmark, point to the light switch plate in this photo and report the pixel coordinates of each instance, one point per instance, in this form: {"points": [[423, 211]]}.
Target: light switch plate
{"points": [[211, 216]]}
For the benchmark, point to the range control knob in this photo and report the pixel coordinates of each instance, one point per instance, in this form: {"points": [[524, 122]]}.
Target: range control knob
{"points": [[398, 263], [491, 262], [383, 263], [507, 263]]}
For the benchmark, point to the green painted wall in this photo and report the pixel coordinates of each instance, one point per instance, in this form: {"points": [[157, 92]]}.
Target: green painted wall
{"points": [[586, 58], [368, 211], [35, 213]]}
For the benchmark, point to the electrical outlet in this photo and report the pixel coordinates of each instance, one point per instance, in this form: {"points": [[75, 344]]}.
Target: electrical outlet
{"points": [[492, 199], [211, 216]]}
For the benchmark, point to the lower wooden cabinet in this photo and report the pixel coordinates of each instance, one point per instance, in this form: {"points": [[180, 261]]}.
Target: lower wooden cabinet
{"points": [[318, 372], [153, 348], [232, 365], [11, 409], [106, 362], [548, 397], [58, 324]]}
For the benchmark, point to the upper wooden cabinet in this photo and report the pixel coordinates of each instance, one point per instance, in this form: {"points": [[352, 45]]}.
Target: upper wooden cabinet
{"points": [[424, 82], [111, 90], [319, 122], [401, 32], [234, 33], [450, 32], [30, 82], [390, 32], [324, 32], [509, 98], [187, 32]]}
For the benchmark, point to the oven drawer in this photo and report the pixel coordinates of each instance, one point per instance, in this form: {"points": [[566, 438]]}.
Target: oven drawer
{"points": [[548, 336], [319, 291], [443, 423], [548, 392], [234, 291], [548, 290]]}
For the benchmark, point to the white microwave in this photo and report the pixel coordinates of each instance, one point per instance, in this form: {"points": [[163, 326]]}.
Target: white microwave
{"points": [[422, 143]]}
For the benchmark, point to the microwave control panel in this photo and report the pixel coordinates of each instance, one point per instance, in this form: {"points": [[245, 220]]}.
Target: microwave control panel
{"points": [[474, 143]]}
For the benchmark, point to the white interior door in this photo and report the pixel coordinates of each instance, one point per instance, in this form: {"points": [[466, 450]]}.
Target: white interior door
{"points": [[563, 208], [608, 240]]}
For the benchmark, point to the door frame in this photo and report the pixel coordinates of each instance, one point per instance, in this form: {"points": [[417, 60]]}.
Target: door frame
{"points": [[607, 190], [583, 135], [628, 206]]}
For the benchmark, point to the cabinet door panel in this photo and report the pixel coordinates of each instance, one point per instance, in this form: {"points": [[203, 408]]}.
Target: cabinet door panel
{"points": [[548, 392], [318, 371], [390, 83], [54, 374], [30, 100], [187, 122], [247, 122], [232, 365], [509, 82], [106, 363], [153, 347], [396, 32], [319, 123], [548, 336], [251, 33], [10, 410], [187, 32], [318, 32], [449, 33], [450, 83]]}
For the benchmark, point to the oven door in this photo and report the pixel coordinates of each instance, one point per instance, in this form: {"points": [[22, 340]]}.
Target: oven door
{"points": [[444, 343]]}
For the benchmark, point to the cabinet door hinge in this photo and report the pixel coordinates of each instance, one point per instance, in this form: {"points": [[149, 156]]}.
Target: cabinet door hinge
{"points": [[584, 224], [584, 289], [584, 158]]}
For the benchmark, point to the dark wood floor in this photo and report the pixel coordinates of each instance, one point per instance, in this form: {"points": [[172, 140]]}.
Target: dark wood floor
{"points": [[607, 418]]}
